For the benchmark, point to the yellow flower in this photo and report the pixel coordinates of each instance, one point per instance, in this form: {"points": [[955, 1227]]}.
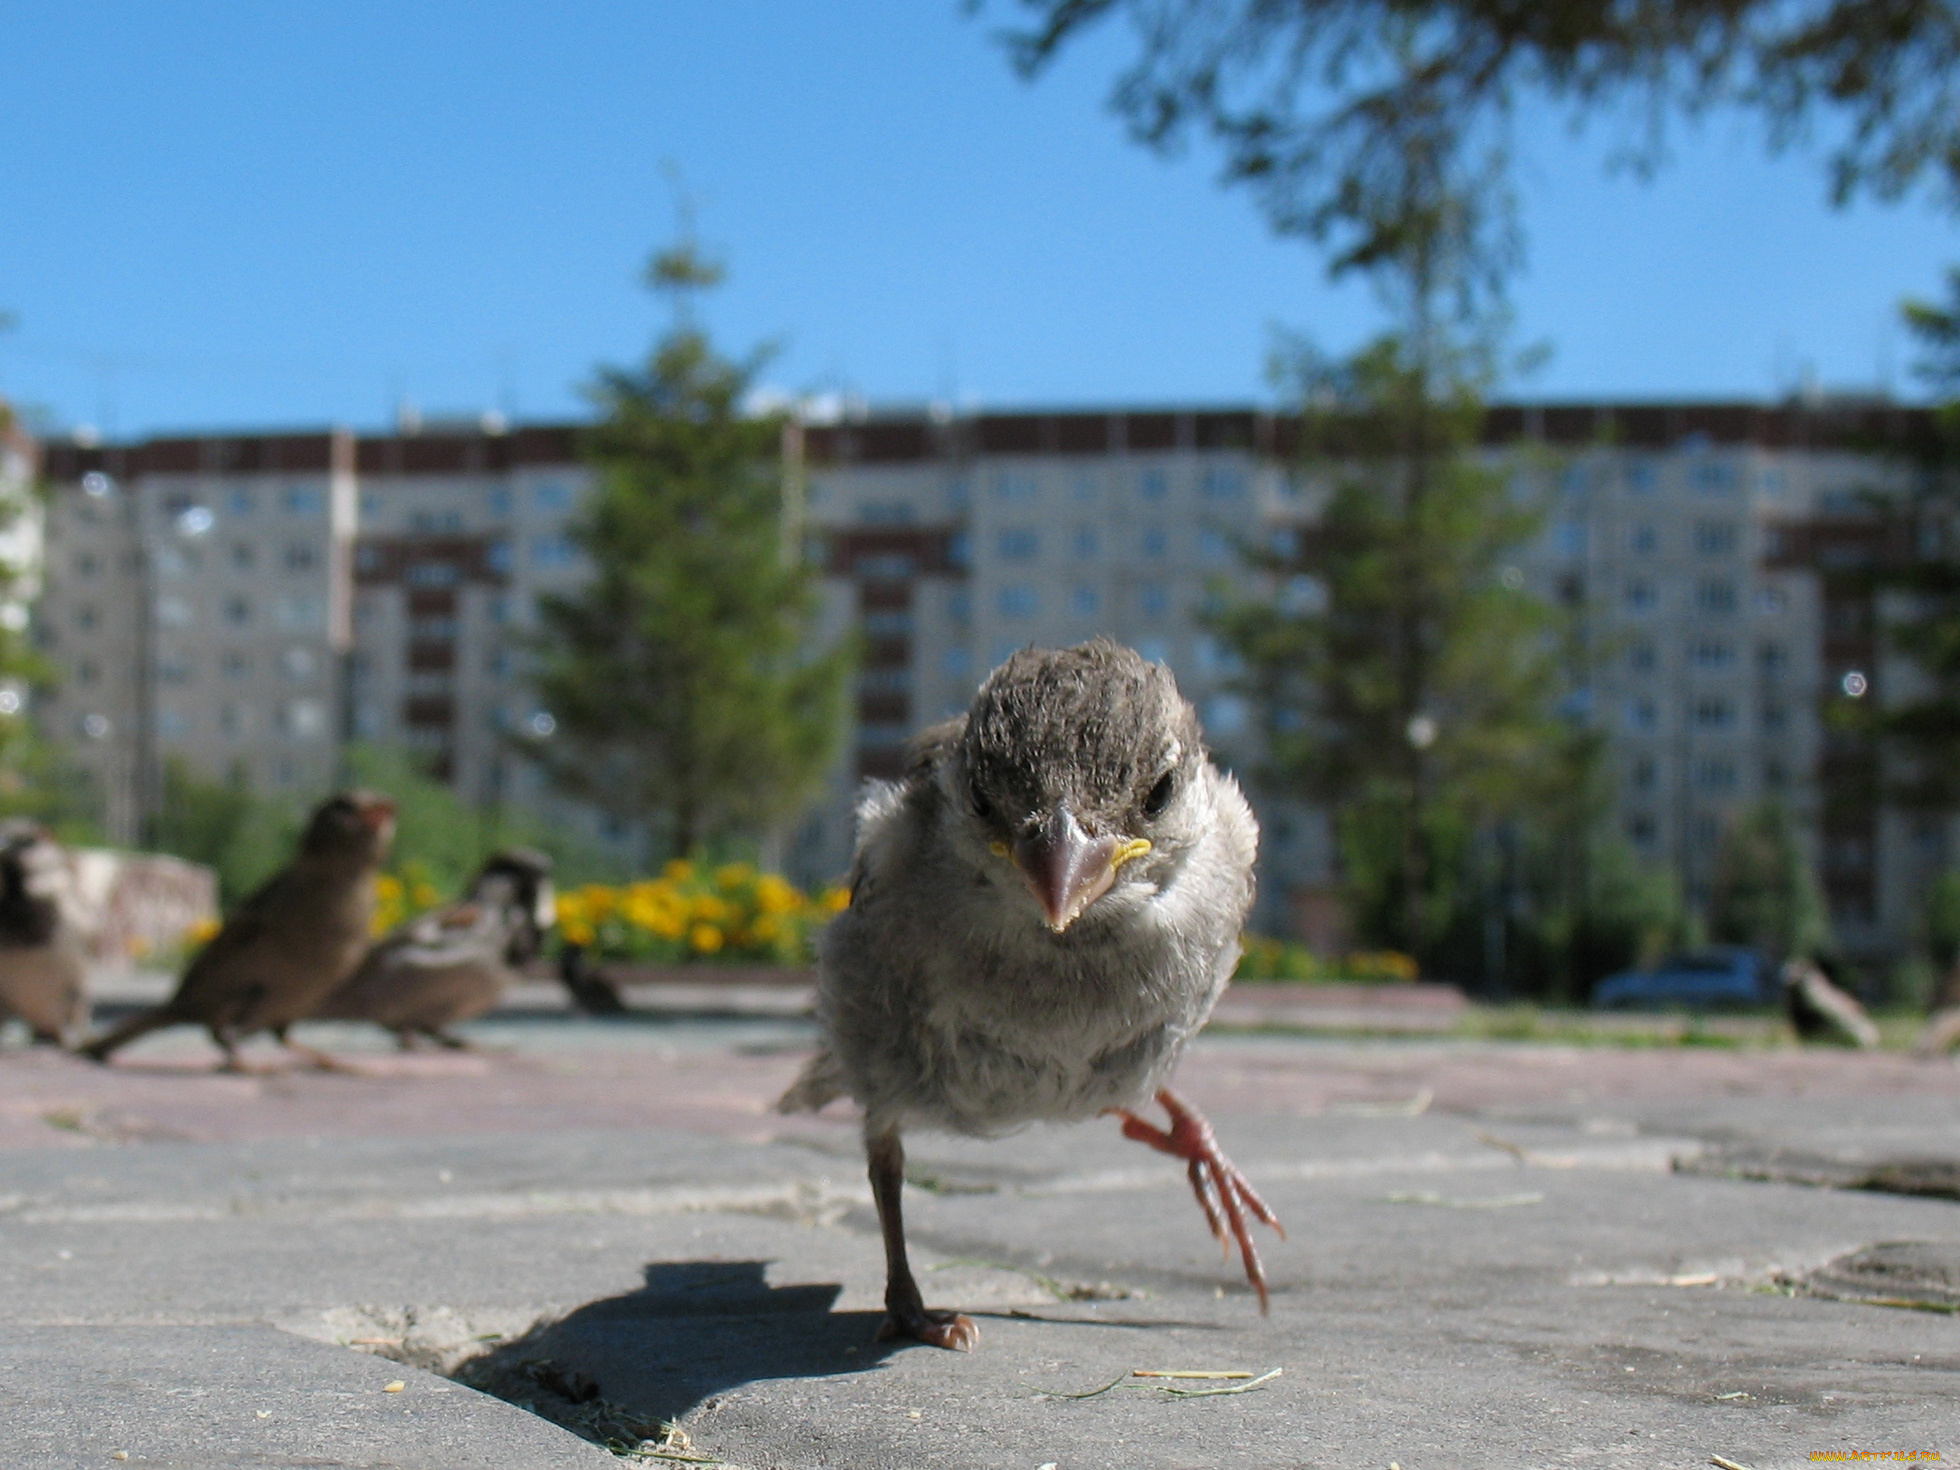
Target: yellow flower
{"points": [[708, 906], [202, 931], [733, 875], [705, 937], [835, 900], [388, 888], [678, 871], [775, 896], [425, 895], [577, 931]]}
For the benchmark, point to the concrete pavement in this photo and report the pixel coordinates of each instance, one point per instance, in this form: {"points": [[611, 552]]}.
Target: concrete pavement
{"points": [[1493, 1261]]}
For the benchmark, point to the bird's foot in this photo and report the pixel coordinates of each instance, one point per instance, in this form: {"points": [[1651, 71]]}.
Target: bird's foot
{"points": [[321, 1061], [953, 1330], [1224, 1194]]}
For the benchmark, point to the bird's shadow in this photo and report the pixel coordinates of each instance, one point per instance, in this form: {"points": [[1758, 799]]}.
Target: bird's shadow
{"points": [[618, 1369]]}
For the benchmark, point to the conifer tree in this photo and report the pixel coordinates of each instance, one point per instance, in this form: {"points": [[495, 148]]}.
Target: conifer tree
{"points": [[683, 680]]}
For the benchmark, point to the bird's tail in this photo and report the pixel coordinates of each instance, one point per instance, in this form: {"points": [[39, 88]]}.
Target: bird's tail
{"points": [[140, 1024], [821, 1082]]}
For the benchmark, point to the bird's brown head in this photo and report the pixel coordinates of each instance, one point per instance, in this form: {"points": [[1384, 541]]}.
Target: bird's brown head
{"points": [[1079, 766], [355, 826]]}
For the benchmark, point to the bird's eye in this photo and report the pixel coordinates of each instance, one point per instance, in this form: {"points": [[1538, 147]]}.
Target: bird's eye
{"points": [[1160, 795], [982, 808]]}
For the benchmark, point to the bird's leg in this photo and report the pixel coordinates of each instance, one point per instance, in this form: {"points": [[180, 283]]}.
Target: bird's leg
{"points": [[1223, 1192], [450, 1039], [228, 1043], [312, 1055], [905, 1309]]}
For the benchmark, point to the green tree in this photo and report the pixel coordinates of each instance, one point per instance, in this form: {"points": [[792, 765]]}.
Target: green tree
{"points": [[1318, 105], [683, 676], [1764, 892], [1404, 674]]}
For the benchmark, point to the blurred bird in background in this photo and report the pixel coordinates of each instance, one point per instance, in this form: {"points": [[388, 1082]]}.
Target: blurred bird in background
{"points": [[43, 976], [289, 945], [1820, 1011], [1043, 912], [454, 963]]}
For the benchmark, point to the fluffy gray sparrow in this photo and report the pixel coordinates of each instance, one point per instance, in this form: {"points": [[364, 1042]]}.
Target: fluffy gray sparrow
{"points": [[287, 946], [1043, 911], [455, 962], [42, 964]]}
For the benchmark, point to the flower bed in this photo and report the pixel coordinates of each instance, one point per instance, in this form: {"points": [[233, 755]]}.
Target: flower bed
{"points": [[1283, 960], [694, 914]]}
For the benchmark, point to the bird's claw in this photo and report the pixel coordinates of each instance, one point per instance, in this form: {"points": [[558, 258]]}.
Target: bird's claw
{"points": [[1224, 1194], [953, 1330]]}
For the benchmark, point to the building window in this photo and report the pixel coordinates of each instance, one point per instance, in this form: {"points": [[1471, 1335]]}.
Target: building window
{"points": [[1712, 653], [1013, 485], [1715, 597], [86, 616], [238, 611], [240, 502], [1154, 598], [1640, 595], [497, 556], [305, 500], [243, 555], [1086, 543], [1772, 657], [1644, 540], [1643, 714], [301, 557], [1716, 538], [1222, 483], [302, 611], [552, 495], [959, 605], [1152, 484], [1087, 600], [1640, 828], [1083, 487], [957, 662], [1213, 547], [1712, 713], [1775, 718], [1644, 775], [235, 719], [1640, 476], [1641, 658], [86, 565], [235, 665], [300, 662], [1017, 600], [1715, 775], [888, 623], [1019, 543], [551, 551], [303, 719], [498, 500], [433, 574], [1155, 543], [1713, 475]]}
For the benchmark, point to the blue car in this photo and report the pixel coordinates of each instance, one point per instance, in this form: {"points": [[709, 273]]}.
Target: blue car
{"points": [[1726, 975]]}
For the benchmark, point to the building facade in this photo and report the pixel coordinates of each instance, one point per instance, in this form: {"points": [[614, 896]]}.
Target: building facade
{"points": [[252, 602]]}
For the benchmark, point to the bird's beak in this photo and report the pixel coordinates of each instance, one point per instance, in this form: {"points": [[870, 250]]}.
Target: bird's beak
{"points": [[1066, 868]]}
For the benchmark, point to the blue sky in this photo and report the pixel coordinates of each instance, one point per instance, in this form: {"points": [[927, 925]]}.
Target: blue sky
{"points": [[233, 215]]}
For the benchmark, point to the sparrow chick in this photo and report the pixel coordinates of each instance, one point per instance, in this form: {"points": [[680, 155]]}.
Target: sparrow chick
{"points": [[454, 963], [42, 965], [1043, 911], [290, 944]]}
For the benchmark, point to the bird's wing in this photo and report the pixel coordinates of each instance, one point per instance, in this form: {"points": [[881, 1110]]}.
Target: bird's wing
{"points": [[820, 1082]]}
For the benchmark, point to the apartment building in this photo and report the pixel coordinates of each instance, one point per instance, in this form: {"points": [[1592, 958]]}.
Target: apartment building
{"points": [[208, 602], [253, 601]]}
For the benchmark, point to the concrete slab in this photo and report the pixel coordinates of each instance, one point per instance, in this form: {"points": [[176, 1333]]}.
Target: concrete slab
{"points": [[190, 1398], [1493, 1261]]}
